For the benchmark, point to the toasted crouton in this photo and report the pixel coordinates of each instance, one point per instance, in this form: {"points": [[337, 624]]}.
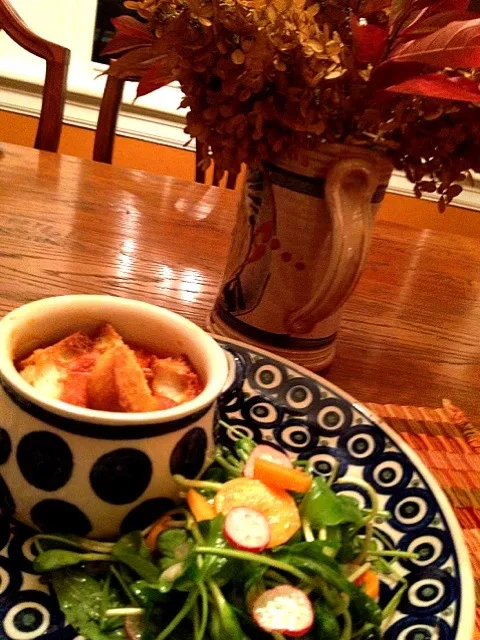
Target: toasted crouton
{"points": [[61, 352], [46, 377], [134, 394], [106, 337], [46, 369], [101, 388], [174, 378]]}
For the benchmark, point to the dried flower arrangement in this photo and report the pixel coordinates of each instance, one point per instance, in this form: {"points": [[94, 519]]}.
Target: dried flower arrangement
{"points": [[263, 77]]}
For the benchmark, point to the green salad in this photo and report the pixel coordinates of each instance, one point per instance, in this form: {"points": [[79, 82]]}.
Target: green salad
{"points": [[260, 547]]}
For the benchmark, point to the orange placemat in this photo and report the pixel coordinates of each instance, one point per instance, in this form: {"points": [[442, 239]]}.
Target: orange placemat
{"points": [[449, 445]]}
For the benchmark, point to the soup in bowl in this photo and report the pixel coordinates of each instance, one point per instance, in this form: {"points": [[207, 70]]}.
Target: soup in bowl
{"points": [[93, 452]]}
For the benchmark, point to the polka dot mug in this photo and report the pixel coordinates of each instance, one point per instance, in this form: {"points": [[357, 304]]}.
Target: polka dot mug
{"points": [[96, 473]]}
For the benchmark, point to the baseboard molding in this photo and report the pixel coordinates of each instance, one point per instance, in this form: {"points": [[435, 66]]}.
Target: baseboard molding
{"points": [[82, 111], [165, 128], [468, 199]]}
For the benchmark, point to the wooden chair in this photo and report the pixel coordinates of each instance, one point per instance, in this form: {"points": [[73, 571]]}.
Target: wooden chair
{"points": [[55, 87], [107, 124]]}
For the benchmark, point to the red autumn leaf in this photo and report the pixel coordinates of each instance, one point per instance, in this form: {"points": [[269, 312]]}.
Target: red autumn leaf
{"points": [[401, 10], [435, 85], [371, 6], [131, 27], [405, 13], [369, 42], [134, 64], [456, 45], [427, 23], [396, 72], [121, 43], [154, 78]]}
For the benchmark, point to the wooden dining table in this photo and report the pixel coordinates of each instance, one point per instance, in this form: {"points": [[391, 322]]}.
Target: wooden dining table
{"points": [[410, 333]]}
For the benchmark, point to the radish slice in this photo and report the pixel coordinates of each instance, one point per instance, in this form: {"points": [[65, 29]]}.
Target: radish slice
{"points": [[284, 609], [133, 626], [267, 453], [246, 529]]}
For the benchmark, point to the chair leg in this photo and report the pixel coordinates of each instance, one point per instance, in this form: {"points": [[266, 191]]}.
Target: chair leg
{"points": [[53, 104], [107, 120], [199, 172], [231, 180]]}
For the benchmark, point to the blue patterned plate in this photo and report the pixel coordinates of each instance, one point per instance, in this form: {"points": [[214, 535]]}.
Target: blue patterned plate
{"points": [[278, 403]]}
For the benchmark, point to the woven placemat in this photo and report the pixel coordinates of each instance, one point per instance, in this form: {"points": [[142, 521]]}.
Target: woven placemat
{"points": [[449, 445]]}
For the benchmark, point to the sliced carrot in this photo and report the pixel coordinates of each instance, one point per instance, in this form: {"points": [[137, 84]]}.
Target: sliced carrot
{"points": [[277, 506], [199, 506], [370, 583], [276, 475], [162, 524]]}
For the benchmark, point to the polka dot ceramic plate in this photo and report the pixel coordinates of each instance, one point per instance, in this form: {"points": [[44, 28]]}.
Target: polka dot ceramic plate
{"points": [[280, 404]]}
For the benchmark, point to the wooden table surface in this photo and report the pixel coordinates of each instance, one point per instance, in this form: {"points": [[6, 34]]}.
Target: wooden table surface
{"points": [[410, 333]]}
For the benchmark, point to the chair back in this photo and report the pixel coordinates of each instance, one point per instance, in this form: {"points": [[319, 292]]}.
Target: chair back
{"points": [[107, 124], [55, 87]]}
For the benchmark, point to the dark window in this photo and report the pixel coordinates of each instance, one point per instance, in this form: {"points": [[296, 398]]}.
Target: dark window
{"points": [[106, 10]]}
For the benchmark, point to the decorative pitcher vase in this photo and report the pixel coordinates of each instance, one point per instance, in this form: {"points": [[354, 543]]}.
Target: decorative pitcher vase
{"points": [[299, 246]]}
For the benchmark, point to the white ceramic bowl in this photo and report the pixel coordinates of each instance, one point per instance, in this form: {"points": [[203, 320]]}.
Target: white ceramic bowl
{"points": [[95, 473]]}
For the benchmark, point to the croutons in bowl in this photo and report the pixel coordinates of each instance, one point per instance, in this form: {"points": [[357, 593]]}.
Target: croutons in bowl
{"points": [[102, 399]]}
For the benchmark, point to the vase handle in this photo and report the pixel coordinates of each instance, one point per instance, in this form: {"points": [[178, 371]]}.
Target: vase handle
{"points": [[349, 187]]}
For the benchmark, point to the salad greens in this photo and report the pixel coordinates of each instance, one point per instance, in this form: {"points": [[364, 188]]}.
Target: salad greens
{"points": [[189, 581]]}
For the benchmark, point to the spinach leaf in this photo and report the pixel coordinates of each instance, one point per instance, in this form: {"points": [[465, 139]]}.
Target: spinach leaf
{"points": [[229, 623], [132, 542], [364, 609], [175, 544], [186, 580], [215, 474], [212, 533], [57, 558], [132, 551], [147, 594], [351, 544], [322, 507], [251, 574], [224, 569], [82, 600], [326, 626]]}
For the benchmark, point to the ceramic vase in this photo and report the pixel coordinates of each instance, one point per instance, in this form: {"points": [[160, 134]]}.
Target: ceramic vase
{"points": [[299, 245]]}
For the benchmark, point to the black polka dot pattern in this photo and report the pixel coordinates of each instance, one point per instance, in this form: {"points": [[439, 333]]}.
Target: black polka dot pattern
{"points": [[5, 446], [45, 460], [58, 516], [4, 531], [7, 503], [145, 513], [188, 456], [121, 476]]}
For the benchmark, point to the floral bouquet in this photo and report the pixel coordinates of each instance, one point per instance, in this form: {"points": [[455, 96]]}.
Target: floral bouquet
{"points": [[267, 77]]}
